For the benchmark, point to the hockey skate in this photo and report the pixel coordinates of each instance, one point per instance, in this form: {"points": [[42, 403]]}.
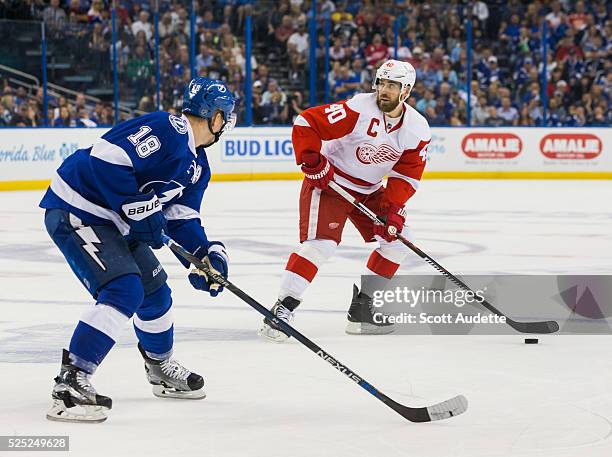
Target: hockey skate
{"points": [[74, 398], [361, 317], [283, 310], [170, 379]]}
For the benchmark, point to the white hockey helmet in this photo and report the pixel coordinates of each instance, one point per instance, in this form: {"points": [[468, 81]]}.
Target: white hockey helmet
{"points": [[396, 70]]}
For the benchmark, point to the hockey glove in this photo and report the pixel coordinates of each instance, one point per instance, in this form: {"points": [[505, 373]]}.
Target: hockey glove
{"points": [[320, 175], [394, 217], [146, 220], [216, 260]]}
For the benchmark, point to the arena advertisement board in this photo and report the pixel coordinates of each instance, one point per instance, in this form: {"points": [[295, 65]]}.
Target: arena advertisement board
{"points": [[28, 157]]}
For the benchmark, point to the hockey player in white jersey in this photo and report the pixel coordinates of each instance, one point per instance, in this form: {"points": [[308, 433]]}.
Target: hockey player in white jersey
{"points": [[107, 206], [355, 143]]}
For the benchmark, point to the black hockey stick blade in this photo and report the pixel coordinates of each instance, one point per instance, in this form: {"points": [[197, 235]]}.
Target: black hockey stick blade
{"points": [[542, 327], [444, 410]]}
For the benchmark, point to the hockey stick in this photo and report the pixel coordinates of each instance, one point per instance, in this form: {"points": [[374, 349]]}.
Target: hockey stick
{"points": [[444, 410], [523, 327]]}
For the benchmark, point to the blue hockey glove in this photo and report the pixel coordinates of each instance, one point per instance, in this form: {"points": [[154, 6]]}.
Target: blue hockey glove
{"points": [[147, 222], [216, 260]]}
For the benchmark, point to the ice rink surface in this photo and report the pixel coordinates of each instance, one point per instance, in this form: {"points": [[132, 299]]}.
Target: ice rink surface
{"points": [[266, 400]]}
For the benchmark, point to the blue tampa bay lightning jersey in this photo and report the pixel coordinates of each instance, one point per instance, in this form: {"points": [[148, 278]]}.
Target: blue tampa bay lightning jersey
{"points": [[155, 152]]}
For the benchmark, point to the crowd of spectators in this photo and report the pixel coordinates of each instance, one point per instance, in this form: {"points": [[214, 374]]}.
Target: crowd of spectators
{"points": [[18, 108], [506, 84]]}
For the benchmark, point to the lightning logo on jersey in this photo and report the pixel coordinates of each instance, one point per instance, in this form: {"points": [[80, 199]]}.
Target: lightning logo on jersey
{"points": [[89, 237]]}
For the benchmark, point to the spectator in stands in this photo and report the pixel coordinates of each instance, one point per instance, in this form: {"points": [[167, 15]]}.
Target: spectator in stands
{"points": [[598, 119], [346, 84], [84, 119], [208, 22], [64, 118], [20, 116], [7, 107], [167, 27], [480, 111], [447, 74], [272, 89], [355, 50], [297, 47], [440, 118], [274, 111], [508, 112], [146, 104], [77, 13], [282, 34], [295, 105], [376, 52], [54, 16], [257, 93], [494, 120], [426, 101], [96, 12], [79, 101], [240, 57], [139, 71], [275, 17], [204, 60], [263, 76], [106, 118], [99, 46], [337, 52], [363, 76], [490, 72], [142, 24]]}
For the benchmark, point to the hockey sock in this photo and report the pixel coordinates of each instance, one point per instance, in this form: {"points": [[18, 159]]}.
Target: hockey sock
{"points": [[382, 265], [154, 324], [303, 266], [101, 325]]}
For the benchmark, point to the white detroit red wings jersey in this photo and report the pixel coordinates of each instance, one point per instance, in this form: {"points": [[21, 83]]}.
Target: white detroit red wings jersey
{"points": [[354, 137]]}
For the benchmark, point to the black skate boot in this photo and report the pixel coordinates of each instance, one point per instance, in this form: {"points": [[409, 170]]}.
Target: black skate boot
{"points": [[74, 398], [361, 317], [170, 379], [283, 310]]}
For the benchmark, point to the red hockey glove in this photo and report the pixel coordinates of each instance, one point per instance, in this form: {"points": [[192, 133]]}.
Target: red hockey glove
{"points": [[394, 218], [319, 175]]}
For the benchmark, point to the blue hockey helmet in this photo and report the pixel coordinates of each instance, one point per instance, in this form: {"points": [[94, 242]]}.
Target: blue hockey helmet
{"points": [[203, 97]]}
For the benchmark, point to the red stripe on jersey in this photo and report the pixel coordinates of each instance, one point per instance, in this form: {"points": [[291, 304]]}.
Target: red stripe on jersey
{"points": [[359, 182], [411, 165], [381, 266], [302, 267]]}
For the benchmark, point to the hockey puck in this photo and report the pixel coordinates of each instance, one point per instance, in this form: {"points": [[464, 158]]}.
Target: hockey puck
{"points": [[531, 341]]}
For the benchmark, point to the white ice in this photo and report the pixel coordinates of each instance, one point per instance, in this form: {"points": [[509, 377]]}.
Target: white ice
{"points": [[266, 400]]}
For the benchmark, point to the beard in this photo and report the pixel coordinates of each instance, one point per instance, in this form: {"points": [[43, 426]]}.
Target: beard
{"points": [[387, 104]]}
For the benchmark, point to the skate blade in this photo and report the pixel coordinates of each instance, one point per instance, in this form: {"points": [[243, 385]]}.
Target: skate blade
{"points": [[364, 328], [169, 392], [80, 414], [272, 335]]}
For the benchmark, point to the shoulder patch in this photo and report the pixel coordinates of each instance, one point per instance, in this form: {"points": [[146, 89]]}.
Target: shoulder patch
{"points": [[179, 124]]}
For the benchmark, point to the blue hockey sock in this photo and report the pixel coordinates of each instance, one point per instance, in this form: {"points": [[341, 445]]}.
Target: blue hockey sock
{"points": [[101, 325], [88, 347], [153, 324]]}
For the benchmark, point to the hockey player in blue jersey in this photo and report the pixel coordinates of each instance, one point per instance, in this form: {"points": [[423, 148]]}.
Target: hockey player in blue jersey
{"points": [[106, 207]]}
